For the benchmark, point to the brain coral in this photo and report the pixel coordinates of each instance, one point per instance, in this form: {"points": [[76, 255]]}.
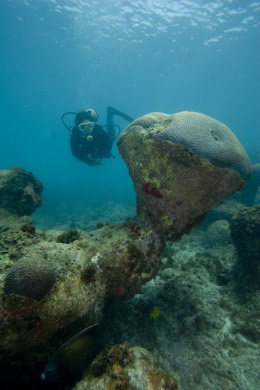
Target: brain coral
{"points": [[30, 278], [206, 137]]}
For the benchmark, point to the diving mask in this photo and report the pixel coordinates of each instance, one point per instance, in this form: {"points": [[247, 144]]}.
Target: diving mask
{"points": [[86, 127]]}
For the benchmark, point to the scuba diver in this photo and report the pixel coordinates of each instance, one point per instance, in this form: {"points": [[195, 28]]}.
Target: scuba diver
{"points": [[89, 142]]}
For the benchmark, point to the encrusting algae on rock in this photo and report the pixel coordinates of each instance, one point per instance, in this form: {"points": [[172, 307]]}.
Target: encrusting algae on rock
{"points": [[155, 313]]}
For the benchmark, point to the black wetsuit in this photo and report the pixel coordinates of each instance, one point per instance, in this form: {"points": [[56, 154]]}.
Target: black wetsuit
{"points": [[91, 152]]}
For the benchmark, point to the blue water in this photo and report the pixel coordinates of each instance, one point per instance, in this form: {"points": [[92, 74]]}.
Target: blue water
{"points": [[136, 56]]}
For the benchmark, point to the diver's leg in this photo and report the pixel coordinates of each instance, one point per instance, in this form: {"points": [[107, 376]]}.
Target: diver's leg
{"points": [[112, 111], [110, 124]]}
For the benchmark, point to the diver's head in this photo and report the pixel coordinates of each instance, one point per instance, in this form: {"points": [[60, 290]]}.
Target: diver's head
{"points": [[92, 115], [85, 121], [89, 114]]}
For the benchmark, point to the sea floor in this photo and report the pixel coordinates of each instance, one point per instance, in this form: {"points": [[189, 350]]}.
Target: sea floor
{"points": [[206, 332]]}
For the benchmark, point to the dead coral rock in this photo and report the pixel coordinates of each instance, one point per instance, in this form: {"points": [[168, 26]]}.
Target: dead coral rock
{"points": [[111, 261], [20, 191], [245, 228], [128, 260], [30, 278], [25, 323], [175, 187], [128, 368]]}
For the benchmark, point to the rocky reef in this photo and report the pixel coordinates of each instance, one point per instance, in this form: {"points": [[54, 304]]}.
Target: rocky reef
{"points": [[179, 301], [54, 284]]}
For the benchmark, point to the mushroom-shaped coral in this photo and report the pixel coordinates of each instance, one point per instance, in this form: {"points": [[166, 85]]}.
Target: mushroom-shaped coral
{"points": [[181, 166], [30, 278]]}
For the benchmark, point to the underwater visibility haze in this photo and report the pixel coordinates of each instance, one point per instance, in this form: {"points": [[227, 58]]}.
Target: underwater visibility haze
{"points": [[191, 303], [139, 57]]}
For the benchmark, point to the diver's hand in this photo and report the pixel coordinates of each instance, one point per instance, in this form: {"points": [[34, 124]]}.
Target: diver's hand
{"points": [[109, 155], [93, 161]]}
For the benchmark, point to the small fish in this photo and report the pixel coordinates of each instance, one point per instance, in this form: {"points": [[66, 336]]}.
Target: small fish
{"points": [[155, 313], [74, 355]]}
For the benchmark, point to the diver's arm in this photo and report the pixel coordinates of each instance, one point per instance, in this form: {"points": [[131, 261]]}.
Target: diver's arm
{"points": [[76, 145], [105, 142]]}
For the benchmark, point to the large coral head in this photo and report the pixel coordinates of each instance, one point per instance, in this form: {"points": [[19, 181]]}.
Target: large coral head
{"points": [[181, 165]]}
